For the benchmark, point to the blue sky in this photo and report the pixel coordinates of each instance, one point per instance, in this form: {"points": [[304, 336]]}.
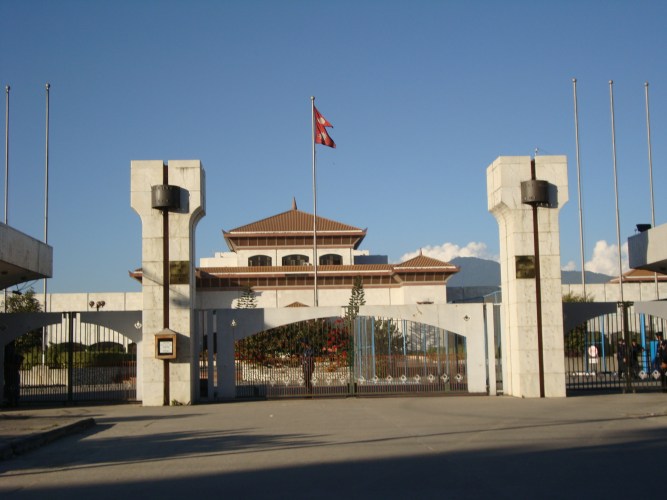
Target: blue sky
{"points": [[423, 95]]}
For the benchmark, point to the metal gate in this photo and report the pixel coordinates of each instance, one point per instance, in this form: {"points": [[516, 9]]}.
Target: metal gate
{"points": [[338, 357], [71, 361], [596, 358]]}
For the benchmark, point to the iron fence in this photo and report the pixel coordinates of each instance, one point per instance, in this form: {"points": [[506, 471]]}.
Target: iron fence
{"points": [[71, 361], [338, 357], [597, 358]]}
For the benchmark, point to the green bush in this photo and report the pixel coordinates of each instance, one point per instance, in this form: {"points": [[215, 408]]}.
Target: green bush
{"points": [[57, 357]]}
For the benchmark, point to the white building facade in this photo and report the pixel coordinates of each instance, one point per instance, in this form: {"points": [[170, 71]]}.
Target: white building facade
{"points": [[276, 258]]}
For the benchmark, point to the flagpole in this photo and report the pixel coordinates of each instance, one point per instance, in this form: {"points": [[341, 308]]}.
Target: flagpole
{"points": [[622, 304], [650, 176], [7, 88], [46, 177], [618, 224], [46, 208], [6, 169], [581, 219], [312, 110]]}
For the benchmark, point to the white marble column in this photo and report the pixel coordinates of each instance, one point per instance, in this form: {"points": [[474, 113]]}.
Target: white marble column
{"points": [[520, 354], [189, 176]]}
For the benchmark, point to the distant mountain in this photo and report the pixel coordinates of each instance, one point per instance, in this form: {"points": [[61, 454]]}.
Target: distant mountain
{"points": [[475, 272], [482, 272], [574, 278]]}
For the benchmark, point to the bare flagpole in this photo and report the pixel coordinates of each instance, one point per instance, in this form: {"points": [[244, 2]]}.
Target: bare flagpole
{"points": [[581, 219], [6, 168], [312, 103], [650, 176], [7, 88], [46, 182], [613, 148], [621, 304], [46, 207]]}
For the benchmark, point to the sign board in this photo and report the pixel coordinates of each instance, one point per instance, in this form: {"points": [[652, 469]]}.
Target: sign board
{"points": [[593, 355], [165, 346], [525, 267], [179, 272]]}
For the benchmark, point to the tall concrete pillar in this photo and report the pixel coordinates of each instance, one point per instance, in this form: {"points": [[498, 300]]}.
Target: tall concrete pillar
{"points": [[532, 309], [184, 207]]}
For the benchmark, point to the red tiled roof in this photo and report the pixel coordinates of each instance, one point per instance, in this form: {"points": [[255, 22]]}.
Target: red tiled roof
{"points": [[292, 224], [422, 262], [639, 275], [267, 270], [293, 221], [431, 266]]}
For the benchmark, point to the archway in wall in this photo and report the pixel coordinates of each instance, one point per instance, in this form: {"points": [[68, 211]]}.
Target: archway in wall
{"points": [[367, 356], [74, 358], [387, 346]]}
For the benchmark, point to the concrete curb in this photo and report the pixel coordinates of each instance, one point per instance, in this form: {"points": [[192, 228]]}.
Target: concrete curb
{"points": [[30, 442]]}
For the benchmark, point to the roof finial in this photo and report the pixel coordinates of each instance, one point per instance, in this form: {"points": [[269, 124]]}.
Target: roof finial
{"points": [[294, 203], [420, 252]]}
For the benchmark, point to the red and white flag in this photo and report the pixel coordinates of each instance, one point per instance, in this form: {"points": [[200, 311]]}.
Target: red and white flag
{"points": [[321, 134]]}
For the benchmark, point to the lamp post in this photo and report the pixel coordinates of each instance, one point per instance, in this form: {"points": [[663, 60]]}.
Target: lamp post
{"points": [[97, 305], [238, 367]]}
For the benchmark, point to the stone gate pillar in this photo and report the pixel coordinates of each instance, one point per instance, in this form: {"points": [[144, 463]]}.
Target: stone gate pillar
{"points": [[530, 268], [177, 190]]}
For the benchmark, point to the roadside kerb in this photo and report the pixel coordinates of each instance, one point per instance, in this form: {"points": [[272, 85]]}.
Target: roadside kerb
{"points": [[23, 444]]}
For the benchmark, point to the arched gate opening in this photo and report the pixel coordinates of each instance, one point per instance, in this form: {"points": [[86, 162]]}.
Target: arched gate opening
{"points": [[68, 357], [318, 352], [366, 356]]}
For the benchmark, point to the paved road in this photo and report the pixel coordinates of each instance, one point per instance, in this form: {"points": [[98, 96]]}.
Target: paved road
{"points": [[439, 447]]}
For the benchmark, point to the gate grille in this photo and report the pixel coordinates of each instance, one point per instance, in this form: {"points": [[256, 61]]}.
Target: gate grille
{"points": [[73, 361], [336, 357], [592, 360]]}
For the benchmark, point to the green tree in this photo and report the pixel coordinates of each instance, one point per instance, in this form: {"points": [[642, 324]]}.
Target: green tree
{"points": [[575, 340], [357, 299], [23, 302], [388, 340], [283, 344], [388, 344], [247, 300], [573, 297], [20, 303]]}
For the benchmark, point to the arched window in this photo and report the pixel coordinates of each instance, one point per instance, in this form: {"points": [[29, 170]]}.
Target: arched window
{"points": [[331, 259], [295, 260], [259, 260]]}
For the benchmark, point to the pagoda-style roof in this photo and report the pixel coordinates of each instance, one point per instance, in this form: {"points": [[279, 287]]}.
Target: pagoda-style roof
{"points": [[640, 276], [423, 263], [293, 228]]}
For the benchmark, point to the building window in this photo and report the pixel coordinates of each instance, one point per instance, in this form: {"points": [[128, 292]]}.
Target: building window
{"points": [[259, 260], [331, 259], [295, 260]]}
